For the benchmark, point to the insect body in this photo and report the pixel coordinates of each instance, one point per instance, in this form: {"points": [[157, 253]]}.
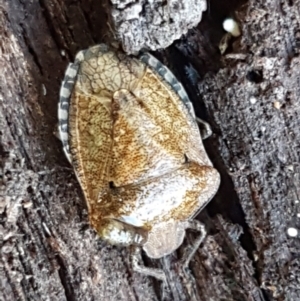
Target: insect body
{"points": [[130, 131]]}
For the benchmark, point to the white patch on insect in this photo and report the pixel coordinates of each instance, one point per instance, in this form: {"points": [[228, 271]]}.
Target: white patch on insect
{"points": [[119, 235], [138, 239], [63, 114], [64, 92], [80, 56], [63, 135], [232, 27], [132, 220], [147, 211], [72, 72]]}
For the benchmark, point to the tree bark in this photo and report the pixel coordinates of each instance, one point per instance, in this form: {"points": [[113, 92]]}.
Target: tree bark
{"points": [[250, 96]]}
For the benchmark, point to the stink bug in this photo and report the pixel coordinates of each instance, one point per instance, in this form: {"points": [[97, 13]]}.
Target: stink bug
{"points": [[130, 132]]}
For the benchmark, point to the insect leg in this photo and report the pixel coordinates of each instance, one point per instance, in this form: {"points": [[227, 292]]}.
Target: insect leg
{"points": [[205, 128], [136, 258], [197, 226]]}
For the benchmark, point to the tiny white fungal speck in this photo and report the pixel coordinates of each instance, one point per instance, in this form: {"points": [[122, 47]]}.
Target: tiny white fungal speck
{"points": [[27, 204], [277, 105], [236, 56], [232, 27], [292, 232], [143, 178], [253, 100]]}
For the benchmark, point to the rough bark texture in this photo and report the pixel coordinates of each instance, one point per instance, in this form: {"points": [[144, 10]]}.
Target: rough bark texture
{"points": [[151, 24], [251, 98]]}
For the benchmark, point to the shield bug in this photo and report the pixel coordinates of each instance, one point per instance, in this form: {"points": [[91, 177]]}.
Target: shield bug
{"points": [[130, 132]]}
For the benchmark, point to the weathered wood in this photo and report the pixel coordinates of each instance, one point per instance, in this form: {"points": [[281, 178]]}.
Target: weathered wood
{"points": [[47, 249], [144, 25]]}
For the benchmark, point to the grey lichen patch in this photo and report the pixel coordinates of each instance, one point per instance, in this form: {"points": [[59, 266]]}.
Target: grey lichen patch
{"points": [[154, 24]]}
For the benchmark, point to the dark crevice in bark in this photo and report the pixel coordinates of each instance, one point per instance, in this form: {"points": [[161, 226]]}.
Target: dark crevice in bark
{"points": [[31, 49], [233, 209], [65, 279], [51, 26]]}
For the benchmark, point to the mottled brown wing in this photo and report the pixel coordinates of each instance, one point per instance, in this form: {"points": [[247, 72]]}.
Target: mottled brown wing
{"points": [[173, 117], [90, 142], [101, 72], [177, 195], [153, 132]]}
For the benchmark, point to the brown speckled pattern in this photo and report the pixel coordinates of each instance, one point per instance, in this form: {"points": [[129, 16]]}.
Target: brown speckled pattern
{"points": [[134, 142]]}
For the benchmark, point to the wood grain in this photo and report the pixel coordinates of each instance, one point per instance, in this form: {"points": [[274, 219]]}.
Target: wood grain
{"points": [[48, 251]]}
